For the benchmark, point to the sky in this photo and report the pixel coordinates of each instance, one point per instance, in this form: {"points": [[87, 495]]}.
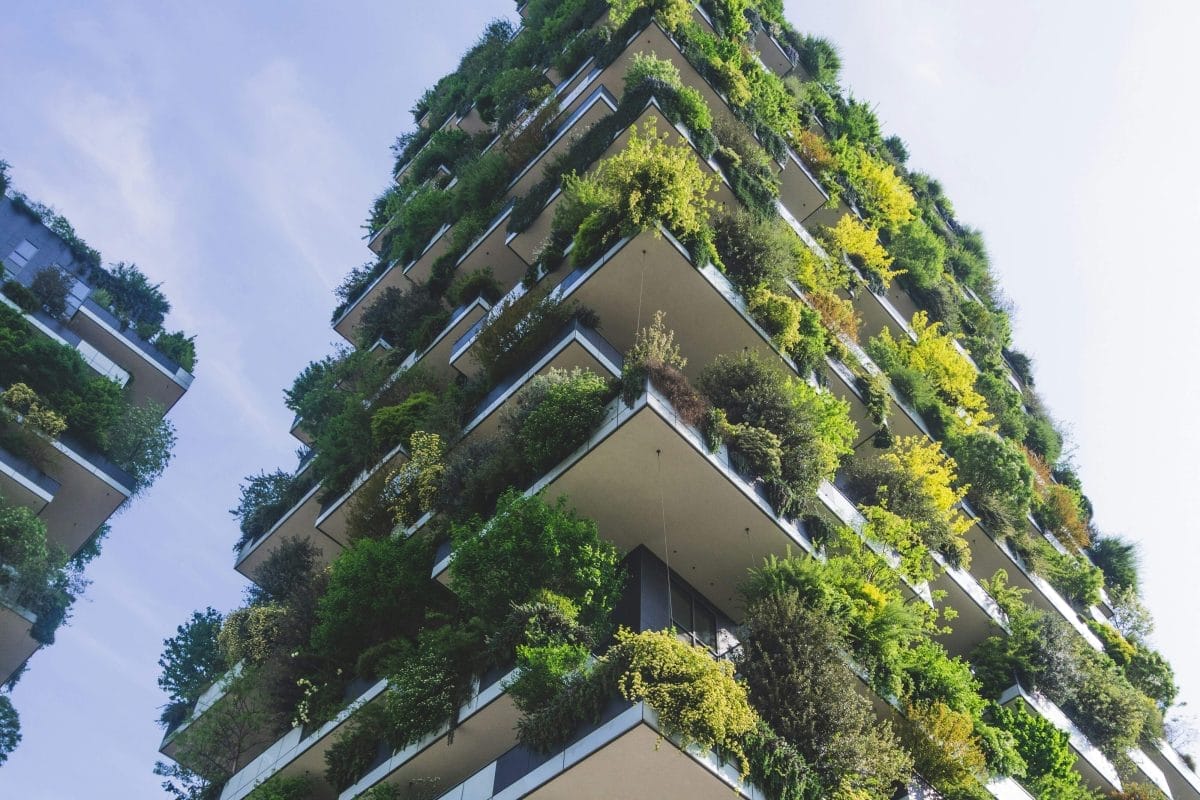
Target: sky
{"points": [[232, 151]]}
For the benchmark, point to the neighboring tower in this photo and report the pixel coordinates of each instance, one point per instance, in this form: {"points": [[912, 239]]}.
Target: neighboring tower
{"points": [[87, 373], [679, 452]]}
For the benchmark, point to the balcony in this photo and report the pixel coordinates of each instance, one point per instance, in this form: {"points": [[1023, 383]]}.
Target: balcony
{"points": [[492, 250], [298, 522], [644, 465], [23, 484], [650, 272], [333, 521], [597, 105], [299, 752], [392, 278], [777, 56], [1097, 771], [16, 640], [154, 376], [577, 346], [625, 754], [90, 489], [486, 728]]}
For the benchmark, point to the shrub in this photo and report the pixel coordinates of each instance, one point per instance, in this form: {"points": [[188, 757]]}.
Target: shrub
{"points": [[555, 413], [135, 301], [377, 591], [861, 244], [250, 633], [51, 286], [531, 546], [397, 317], [22, 296], [391, 425], [794, 673], [283, 788], [179, 347], [412, 489], [671, 14], [813, 427], [1076, 579], [1117, 559], [192, 659], [695, 697], [755, 253], [649, 182], [919, 253], [945, 748], [997, 475], [884, 196], [349, 756], [480, 283], [140, 442], [520, 329]]}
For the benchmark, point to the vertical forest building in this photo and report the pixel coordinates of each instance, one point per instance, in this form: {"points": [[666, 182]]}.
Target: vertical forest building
{"points": [[87, 375], [678, 448]]}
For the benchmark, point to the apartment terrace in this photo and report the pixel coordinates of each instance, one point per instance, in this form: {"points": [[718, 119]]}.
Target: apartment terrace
{"points": [[153, 375], [625, 754], [486, 728], [300, 752], [23, 484]]}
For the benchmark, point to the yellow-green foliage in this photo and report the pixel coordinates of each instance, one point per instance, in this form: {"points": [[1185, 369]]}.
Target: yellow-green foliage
{"points": [[858, 241], [902, 536], [249, 634], [948, 370], [414, 486], [668, 13], [885, 197], [945, 748], [695, 696], [778, 314], [929, 468], [25, 401]]}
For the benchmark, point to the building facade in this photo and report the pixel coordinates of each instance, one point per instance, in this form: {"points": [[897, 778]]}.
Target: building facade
{"points": [[87, 375], [679, 449]]}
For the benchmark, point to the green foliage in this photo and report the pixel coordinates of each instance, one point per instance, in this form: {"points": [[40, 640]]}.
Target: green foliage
{"points": [[264, 498], [553, 647], [919, 252], [480, 283], [251, 633], [946, 750], [521, 329], [191, 659], [755, 253], [179, 347], [398, 318], [555, 412], [413, 487], [1117, 558], [391, 425], [10, 722], [35, 571], [860, 243], [651, 182], [997, 475], [283, 788], [135, 301], [51, 286], [695, 696], [1075, 578], [20, 294], [355, 748], [795, 676], [814, 428], [140, 442], [377, 591], [1153, 676], [285, 573], [531, 546]]}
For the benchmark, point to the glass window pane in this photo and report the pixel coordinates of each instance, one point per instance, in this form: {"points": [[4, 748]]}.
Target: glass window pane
{"points": [[706, 627], [681, 608]]}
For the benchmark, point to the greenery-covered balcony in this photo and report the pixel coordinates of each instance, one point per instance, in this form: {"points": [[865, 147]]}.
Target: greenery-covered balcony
{"points": [[577, 346], [393, 277], [485, 728], [186, 716], [493, 251], [437, 356], [300, 752], [17, 642], [57, 331], [299, 521], [154, 375], [597, 105], [626, 754], [23, 484], [651, 119], [990, 555], [334, 519], [653, 271], [1096, 769], [643, 462], [91, 489]]}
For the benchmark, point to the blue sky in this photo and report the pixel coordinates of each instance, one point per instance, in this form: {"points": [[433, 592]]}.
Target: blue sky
{"points": [[232, 151]]}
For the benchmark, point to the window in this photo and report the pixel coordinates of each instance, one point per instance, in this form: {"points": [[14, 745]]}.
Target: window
{"points": [[25, 251], [694, 621]]}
